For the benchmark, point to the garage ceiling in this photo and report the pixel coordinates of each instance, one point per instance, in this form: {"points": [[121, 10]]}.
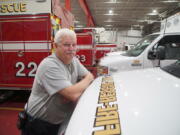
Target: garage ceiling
{"points": [[123, 14]]}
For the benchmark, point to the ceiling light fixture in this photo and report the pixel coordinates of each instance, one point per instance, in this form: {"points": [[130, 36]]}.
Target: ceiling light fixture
{"points": [[108, 25], [110, 11], [109, 2], [170, 1], [112, 1], [109, 14], [110, 21], [154, 11]]}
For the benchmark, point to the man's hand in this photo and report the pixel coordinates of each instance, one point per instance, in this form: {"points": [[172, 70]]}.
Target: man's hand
{"points": [[74, 92]]}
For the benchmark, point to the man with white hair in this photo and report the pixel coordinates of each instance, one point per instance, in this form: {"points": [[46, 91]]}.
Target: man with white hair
{"points": [[56, 87]]}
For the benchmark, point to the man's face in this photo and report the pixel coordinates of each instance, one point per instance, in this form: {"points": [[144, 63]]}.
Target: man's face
{"points": [[67, 48]]}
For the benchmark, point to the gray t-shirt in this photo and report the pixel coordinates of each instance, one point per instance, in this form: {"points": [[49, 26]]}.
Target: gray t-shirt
{"points": [[52, 76]]}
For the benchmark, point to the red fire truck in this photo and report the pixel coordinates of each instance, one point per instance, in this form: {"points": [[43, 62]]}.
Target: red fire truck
{"points": [[26, 33], [89, 50], [86, 48], [85, 52], [103, 48]]}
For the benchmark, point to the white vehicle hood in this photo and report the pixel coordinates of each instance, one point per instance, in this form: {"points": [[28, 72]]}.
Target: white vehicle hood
{"points": [[147, 102], [114, 59], [119, 62], [114, 53]]}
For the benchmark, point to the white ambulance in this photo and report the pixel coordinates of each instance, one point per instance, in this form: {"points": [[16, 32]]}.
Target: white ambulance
{"points": [[139, 102], [141, 56]]}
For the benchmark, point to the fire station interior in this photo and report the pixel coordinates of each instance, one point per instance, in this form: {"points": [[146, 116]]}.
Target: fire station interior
{"points": [[103, 28]]}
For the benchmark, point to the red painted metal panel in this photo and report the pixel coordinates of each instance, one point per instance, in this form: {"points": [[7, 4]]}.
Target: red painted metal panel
{"points": [[86, 57], [85, 51], [101, 53], [26, 27], [19, 71], [1, 64], [84, 39], [36, 29], [84, 30], [12, 31], [102, 49], [26, 41]]}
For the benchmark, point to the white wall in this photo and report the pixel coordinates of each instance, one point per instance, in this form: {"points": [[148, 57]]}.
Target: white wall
{"points": [[121, 38]]}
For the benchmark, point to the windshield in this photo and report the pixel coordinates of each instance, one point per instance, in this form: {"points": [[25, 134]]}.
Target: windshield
{"points": [[141, 46], [173, 69]]}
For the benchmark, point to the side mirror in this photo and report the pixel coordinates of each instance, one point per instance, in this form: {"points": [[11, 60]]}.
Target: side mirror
{"points": [[151, 55], [158, 53]]}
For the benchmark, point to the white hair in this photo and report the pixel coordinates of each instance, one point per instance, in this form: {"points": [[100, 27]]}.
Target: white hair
{"points": [[63, 32]]}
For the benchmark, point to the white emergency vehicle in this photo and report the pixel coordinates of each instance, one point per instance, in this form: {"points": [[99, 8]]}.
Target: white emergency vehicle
{"points": [[141, 56], [139, 102]]}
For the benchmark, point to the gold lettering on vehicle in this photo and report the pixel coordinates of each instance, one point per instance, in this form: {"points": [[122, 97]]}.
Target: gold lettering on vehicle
{"points": [[107, 115], [13, 7]]}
